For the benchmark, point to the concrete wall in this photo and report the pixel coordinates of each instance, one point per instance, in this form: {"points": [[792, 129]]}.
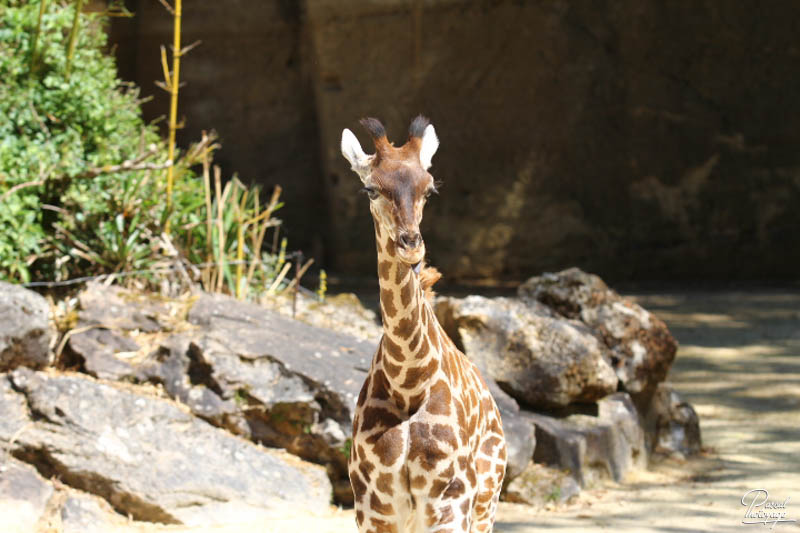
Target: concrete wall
{"points": [[637, 139]]}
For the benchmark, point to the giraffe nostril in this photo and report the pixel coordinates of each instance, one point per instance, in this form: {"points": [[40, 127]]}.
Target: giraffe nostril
{"points": [[409, 240]]}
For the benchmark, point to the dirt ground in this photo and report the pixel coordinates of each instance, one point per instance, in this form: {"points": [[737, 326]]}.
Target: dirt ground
{"points": [[739, 365]]}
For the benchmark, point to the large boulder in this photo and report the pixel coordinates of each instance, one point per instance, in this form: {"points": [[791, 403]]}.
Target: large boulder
{"points": [[295, 384], [672, 425], [251, 370], [605, 444], [641, 347], [541, 359], [145, 455], [25, 331]]}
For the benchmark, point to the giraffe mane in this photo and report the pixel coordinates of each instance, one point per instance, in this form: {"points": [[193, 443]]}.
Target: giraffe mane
{"points": [[428, 276]]}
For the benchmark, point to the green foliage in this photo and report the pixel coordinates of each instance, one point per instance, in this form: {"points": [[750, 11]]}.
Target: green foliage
{"points": [[70, 207], [347, 447], [62, 220]]}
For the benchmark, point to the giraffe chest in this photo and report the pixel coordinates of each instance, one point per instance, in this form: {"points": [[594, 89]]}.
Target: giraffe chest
{"points": [[403, 461]]}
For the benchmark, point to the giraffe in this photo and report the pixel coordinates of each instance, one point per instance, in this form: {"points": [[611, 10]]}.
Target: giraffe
{"points": [[428, 452]]}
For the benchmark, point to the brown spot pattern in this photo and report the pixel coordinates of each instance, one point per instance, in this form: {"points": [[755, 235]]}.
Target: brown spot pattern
{"points": [[445, 434], [405, 328], [438, 487], [415, 401], [384, 484], [439, 403], [405, 294], [488, 445], [392, 370], [389, 446], [382, 526], [390, 248], [387, 303], [393, 349], [423, 447], [359, 487], [455, 489], [378, 416], [366, 468], [378, 506], [419, 374]]}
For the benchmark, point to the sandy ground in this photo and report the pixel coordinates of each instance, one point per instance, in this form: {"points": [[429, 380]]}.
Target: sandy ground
{"points": [[739, 365]]}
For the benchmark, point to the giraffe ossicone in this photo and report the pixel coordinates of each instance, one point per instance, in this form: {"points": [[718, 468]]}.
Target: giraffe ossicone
{"points": [[428, 450]]}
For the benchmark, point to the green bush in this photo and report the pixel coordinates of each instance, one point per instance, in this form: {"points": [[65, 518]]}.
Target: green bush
{"points": [[63, 212], [55, 130]]}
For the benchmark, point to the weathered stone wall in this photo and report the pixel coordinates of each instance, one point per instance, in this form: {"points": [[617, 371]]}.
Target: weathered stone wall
{"points": [[636, 139]]}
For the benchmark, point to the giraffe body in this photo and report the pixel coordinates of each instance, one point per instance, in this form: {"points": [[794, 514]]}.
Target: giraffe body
{"points": [[428, 450]]}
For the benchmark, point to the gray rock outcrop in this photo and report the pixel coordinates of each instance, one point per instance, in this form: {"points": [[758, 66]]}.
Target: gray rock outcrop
{"points": [[250, 370], [145, 455], [606, 444], [25, 331], [640, 345], [541, 359]]}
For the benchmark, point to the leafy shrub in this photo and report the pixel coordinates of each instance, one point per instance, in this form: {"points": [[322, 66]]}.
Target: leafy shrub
{"points": [[68, 206], [62, 220]]}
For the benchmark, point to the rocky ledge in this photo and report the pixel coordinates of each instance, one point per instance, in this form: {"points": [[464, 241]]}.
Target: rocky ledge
{"points": [[209, 410]]}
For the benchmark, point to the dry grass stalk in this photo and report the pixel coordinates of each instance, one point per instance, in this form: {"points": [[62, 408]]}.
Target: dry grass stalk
{"points": [[206, 276], [279, 278], [260, 231], [220, 233], [240, 227]]}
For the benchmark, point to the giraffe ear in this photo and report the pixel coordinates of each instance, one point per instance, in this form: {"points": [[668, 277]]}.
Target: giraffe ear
{"points": [[352, 151], [428, 147]]}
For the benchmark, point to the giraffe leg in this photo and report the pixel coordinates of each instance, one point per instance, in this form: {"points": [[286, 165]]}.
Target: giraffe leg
{"points": [[447, 516], [491, 471]]}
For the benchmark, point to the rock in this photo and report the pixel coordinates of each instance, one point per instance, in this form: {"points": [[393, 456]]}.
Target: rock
{"points": [[541, 360], [672, 425], [187, 379], [591, 447], [82, 513], [539, 485], [145, 455], [264, 376], [25, 331], [96, 351], [24, 496], [295, 384], [341, 312], [641, 347], [114, 307]]}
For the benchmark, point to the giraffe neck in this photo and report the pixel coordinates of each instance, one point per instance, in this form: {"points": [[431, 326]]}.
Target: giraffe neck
{"points": [[409, 354]]}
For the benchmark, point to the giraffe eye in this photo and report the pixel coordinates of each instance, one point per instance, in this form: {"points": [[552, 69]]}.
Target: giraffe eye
{"points": [[371, 192]]}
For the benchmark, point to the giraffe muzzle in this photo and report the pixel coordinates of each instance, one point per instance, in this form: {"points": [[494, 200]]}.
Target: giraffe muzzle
{"points": [[409, 240], [411, 248]]}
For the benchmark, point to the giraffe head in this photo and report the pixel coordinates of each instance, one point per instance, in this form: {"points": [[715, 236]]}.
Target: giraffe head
{"points": [[397, 181]]}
